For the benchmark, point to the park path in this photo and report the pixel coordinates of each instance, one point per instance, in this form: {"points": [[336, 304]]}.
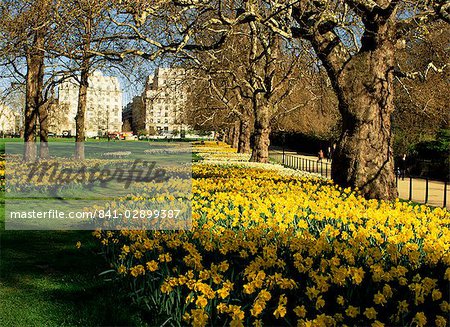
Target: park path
{"points": [[310, 163]]}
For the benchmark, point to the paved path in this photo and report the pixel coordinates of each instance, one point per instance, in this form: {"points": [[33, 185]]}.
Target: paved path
{"points": [[309, 163]]}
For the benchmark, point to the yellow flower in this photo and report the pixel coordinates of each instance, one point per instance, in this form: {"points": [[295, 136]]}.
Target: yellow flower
{"points": [[199, 317], [377, 323], [280, 311], [260, 221], [436, 295], [440, 321], [447, 274], [264, 295], [122, 270], [152, 265], [402, 306], [186, 316], [166, 288], [137, 270], [320, 302], [420, 319], [257, 308], [236, 322], [300, 311], [445, 306], [223, 266], [201, 301], [78, 245], [312, 292], [248, 288], [357, 275], [379, 299], [257, 323], [223, 292], [370, 313], [352, 311], [165, 257], [387, 291]]}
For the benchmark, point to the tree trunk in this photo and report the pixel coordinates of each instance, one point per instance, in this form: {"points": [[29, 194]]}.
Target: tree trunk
{"points": [[230, 132], [43, 131], [364, 156], [33, 97], [82, 92], [236, 134], [244, 135], [80, 117], [261, 133]]}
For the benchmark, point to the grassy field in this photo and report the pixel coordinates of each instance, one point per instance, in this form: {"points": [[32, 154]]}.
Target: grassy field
{"points": [[46, 281]]}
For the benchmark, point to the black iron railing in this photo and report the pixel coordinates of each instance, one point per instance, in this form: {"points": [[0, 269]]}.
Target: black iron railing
{"points": [[323, 167]]}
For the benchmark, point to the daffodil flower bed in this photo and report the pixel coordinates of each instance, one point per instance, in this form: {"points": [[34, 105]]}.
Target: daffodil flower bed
{"points": [[273, 249], [224, 155], [228, 156], [117, 154], [2, 173]]}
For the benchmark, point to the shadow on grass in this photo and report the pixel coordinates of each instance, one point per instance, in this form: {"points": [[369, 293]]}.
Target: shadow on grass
{"points": [[46, 281]]}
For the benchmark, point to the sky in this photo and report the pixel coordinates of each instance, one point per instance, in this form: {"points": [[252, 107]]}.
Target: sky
{"points": [[132, 83]]}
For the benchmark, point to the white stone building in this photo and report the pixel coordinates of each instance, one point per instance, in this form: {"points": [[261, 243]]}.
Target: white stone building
{"points": [[103, 105], [164, 99], [9, 120]]}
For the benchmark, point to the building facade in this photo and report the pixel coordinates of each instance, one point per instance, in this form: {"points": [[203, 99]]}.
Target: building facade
{"points": [[103, 106], [163, 102], [9, 120]]}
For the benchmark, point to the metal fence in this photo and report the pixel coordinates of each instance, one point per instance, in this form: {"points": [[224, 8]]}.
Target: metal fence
{"points": [[418, 189], [322, 167], [413, 181]]}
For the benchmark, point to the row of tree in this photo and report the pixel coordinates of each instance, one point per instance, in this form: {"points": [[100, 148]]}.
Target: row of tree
{"points": [[252, 53]]}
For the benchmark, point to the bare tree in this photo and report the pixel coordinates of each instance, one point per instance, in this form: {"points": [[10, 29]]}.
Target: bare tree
{"points": [[311, 108], [251, 75], [421, 107], [356, 41], [25, 26]]}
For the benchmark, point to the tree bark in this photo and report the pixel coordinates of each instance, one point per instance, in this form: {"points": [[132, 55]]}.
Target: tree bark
{"points": [[244, 135], [261, 133], [33, 97], [230, 133], [43, 131], [364, 156], [82, 93], [236, 133], [80, 117]]}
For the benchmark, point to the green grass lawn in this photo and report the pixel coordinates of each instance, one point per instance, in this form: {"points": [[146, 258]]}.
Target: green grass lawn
{"points": [[46, 281]]}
